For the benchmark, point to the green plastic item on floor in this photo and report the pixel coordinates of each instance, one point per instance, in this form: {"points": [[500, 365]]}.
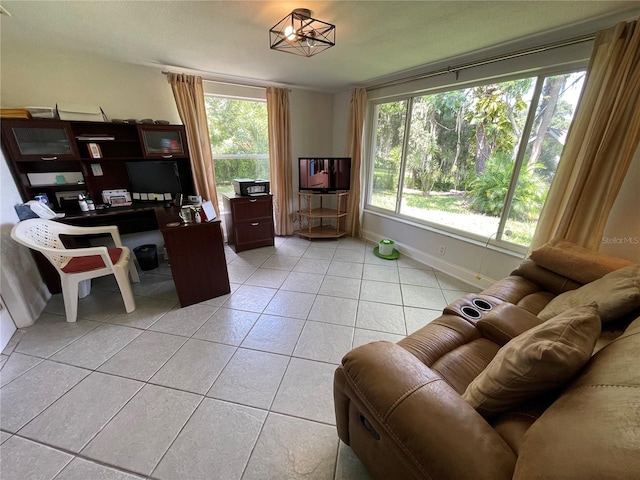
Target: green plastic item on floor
{"points": [[385, 250]]}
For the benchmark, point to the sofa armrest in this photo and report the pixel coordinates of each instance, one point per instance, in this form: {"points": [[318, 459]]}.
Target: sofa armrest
{"points": [[505, 322], [411, 414]]}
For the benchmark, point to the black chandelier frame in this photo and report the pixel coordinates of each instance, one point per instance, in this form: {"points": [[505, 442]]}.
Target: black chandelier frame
{"points": [[300, 34]]}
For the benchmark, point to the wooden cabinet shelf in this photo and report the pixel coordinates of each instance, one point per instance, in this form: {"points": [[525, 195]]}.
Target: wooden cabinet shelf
{"points": [[324, 212], [58, 186], [50, 149], [316, 220]]}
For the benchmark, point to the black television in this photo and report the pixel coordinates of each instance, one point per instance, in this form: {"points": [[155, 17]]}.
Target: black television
{"points": [[154, 176], [324, 174]]}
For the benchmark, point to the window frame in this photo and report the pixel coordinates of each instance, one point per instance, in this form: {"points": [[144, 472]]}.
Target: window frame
{"points": [[237, 93], [496, 239]]}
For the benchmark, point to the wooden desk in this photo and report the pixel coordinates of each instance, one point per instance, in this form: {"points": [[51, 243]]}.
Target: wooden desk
{"points": [[196, 256], [196, 251], [134, 219]]}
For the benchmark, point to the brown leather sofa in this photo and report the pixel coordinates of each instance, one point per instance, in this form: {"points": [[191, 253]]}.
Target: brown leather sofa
{"points": [[400, 406]]}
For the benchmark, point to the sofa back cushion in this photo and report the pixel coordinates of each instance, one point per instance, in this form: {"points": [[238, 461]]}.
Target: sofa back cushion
{"points": [[548, 280], [540, 359], [575, 262], [616, 294]]}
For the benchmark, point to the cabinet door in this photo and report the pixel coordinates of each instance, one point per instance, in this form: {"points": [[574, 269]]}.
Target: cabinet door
{"points": [[163, 141], [33, 140]]}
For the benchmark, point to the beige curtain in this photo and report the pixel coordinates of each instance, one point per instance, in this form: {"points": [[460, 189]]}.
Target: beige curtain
{"points": [[354, 150], [602, 140], [189, 95], [280, 159]]}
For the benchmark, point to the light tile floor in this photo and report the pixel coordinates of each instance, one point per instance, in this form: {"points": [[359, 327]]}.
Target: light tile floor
{"points": [[237, 387]]}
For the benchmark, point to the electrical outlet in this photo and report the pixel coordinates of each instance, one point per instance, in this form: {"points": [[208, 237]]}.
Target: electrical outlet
{"points": [[442, 250]]}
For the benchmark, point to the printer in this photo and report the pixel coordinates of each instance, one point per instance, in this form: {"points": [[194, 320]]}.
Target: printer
{"points": [[251, 187]]}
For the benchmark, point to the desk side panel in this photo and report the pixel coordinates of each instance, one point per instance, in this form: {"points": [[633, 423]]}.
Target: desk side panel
{"points": [[198, 264]]}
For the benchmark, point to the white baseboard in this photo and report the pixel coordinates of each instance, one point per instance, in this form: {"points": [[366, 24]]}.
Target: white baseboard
{"points": [[439, 264]]}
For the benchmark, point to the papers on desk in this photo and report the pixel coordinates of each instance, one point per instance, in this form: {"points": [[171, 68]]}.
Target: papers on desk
{"points": [[209, 211]]}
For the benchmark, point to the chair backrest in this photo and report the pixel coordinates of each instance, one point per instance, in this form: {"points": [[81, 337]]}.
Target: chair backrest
{"points": [[37, 233]]}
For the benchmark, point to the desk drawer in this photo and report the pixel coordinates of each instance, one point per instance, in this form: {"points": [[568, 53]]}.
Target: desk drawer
{"points": [[254, 234], [251, 208]]}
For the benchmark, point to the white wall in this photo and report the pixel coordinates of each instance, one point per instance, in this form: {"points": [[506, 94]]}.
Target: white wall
{"points": [[311, 120], [622, 233], [341, 103], [39, 78]]}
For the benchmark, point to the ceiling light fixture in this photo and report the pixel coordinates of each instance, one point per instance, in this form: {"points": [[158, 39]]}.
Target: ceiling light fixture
{"points": [[300, 34]]}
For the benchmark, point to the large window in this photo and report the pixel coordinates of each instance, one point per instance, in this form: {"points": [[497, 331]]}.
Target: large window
{"points": [[478, 161], [239, 140]]}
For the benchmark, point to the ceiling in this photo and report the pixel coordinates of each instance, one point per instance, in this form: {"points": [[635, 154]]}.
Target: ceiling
{"points": [[229, 40]]}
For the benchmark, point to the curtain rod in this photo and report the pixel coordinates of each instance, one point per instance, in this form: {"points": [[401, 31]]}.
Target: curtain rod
{"points": [[227, 82], [488, 61]]}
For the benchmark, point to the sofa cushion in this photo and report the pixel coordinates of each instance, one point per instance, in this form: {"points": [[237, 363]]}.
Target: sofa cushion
{"points": [[616, 294], [540, 359], [575, 262]]}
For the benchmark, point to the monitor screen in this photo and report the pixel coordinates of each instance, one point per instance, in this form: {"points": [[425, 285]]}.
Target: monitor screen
{"points": [[324, 174], [154, 176]]}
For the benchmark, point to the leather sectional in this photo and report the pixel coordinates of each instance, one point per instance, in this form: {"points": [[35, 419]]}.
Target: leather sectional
{"points": [[424, 408]]}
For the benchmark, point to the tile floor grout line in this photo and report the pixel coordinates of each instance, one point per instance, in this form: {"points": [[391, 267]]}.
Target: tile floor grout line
{"points": [[150, 474], [78, 455]]}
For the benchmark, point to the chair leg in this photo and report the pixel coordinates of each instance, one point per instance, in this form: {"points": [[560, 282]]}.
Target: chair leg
{"points": [[133, 271], [70, 296], [122, 277]]}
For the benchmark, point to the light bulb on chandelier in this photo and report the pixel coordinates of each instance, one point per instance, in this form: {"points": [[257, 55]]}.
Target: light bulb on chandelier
{"points": [[290, 33], [311, 42]]}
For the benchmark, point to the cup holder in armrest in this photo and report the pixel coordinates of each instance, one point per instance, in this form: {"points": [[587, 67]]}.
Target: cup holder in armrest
{"points": [[472, 307], [470, 312], [482, 304]]}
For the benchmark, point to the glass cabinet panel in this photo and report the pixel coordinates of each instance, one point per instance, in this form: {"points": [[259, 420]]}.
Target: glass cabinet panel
{"points": [[162, 141], [42, 142]]}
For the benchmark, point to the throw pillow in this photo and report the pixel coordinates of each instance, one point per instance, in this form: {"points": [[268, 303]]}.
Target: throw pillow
{"points": [[616, 294], [540, 359]]}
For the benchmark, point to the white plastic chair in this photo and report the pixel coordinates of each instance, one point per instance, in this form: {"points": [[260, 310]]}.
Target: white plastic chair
{"points": [[77, 266]]}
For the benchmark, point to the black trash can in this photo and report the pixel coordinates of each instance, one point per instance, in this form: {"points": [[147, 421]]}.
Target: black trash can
{"points": [[147, 256]]}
